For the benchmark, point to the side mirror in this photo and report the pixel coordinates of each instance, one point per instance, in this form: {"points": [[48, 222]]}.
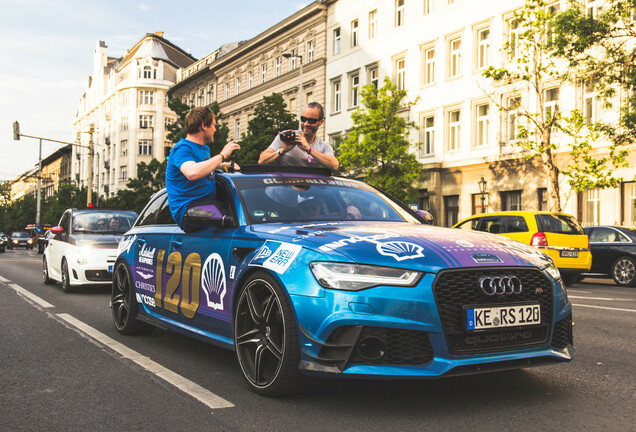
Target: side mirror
{"points": [[57, 230], [207, 215], [426, 216]]}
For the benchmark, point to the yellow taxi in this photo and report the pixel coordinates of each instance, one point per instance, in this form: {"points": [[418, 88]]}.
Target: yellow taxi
{"points": [[557, 234]]}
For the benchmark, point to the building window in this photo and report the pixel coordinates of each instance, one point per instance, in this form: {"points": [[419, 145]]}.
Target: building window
{"points": [[454, 57], [335, 140], [146, 97], [263, 73], [428, 7], [590, 104], [336, 41], [550, 104], [145, 121], [591, 207], [277, 66], [201, 100], [124, 147], [354, 33], [453, 130], [451, 209], [629, 203], [238, 86], [399, 13], [542, 199], [124, 98], [483, 48], [249, 80], [123, 173], [593, 8], [145, 147], [292, 60], [482, 123], [429, 66], [227, 91], [147, 72], [310, 51], [400, 73], [237, 130], [373, 76], [355, 90], [512, 111], [514, 30], [428, 135], [337, 96], [124, 123], [210, 94], [511, 201], [373, 23]]}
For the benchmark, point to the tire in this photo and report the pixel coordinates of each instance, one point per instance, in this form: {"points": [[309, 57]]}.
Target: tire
{"points": [[624, 271], [266, 338], [124, 304], [40, 249], [570, 279], [45, 274], [66, 280]]}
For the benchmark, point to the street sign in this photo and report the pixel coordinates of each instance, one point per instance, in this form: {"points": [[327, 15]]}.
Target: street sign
{"points": [[38, 229]]}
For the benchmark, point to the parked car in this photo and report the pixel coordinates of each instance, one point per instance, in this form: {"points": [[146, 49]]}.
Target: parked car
{"points": [[613, 253], [43, 241], [306, 274], [20, 239], [3, 241], [83, 247], [557, 234]]}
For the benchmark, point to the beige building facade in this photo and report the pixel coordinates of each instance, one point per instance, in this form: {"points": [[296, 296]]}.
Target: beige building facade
{"points": [[238, 79], [122, 115], [56, 171]]}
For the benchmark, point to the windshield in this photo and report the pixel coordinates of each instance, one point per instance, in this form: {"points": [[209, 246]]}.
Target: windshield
{"points": [[21, 234], [103, 222], [296, 199]]}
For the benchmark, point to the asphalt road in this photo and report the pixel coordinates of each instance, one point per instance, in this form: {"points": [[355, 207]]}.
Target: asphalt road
{"points": [[63, 367]]}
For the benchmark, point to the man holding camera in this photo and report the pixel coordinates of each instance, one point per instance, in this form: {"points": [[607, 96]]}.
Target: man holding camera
{"points": [[302, 148]]}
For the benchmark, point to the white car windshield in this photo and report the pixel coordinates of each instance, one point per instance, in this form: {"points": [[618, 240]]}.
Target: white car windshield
{"points": [[103, 222]]}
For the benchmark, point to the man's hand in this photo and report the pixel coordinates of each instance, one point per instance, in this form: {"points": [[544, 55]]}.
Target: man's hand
{"points": [[229, 149]]}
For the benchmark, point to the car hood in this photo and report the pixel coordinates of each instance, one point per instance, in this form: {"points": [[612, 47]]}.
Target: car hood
{"points": [[96, 241], [395, 244]]}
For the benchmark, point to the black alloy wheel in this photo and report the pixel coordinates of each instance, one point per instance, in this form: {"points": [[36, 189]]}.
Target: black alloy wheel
{"points": [[45, 273], [66, 280], [124, 304], [266, 339], [624, 271]]}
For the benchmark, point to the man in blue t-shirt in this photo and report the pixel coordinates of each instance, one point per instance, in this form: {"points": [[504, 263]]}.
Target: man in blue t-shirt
{"points": [[190, 169]]}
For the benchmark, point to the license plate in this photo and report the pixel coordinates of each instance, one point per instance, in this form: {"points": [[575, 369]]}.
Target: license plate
{"points": [[569, 254], [110, 269], [502, 316]]}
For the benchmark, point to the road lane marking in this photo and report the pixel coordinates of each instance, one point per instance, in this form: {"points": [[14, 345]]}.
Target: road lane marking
{"points": [[185, 385], [599, 298], [604, 307], [43, 303], [2, 279]]}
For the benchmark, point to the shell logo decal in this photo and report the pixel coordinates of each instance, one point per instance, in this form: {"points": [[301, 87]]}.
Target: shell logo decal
{"points": [[400, 250], [213, 281]]}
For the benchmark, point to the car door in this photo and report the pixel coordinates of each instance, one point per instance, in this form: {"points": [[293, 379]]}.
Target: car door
{"points": [[602, 240], [57, 246]]}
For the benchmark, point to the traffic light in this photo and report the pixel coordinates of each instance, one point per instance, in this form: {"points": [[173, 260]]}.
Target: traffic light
{"points": [[16, 131], [90, 205]]}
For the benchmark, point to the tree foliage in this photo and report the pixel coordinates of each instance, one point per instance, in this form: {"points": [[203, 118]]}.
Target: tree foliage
{"points": [[270, 117], [536, 70], [151, 177], [67, 196], [377, 147]]}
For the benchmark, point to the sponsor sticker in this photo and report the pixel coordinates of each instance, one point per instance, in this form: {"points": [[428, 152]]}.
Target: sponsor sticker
{"points": [[482, 258], [125, 244], [147, 254], [213, 281], [276, 256], [400, 250], [144, 286]]}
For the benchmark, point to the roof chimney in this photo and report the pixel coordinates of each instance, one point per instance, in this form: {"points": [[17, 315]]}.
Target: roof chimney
{"points": [[160, 34]]}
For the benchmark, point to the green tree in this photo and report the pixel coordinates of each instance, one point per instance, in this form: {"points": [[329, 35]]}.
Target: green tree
{"points": [[270, 117], [67, 196], [18, 214], [377, 147], [534, 70], [151, 177]]}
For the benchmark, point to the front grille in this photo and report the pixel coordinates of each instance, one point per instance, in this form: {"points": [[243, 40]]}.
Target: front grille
{"points": [[403, 347], [98, 275], [562, 336], [456, 289]]}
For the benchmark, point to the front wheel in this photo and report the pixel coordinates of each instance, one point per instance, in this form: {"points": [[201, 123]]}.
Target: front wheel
{"points": [[45, 274], [624, 271], [266, 339], [124, 304], [66, 280]]}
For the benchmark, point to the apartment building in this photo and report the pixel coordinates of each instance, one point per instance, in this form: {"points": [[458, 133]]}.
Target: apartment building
{"points": [[437, 50], [121, 117], [268, 63], [56, 171]]}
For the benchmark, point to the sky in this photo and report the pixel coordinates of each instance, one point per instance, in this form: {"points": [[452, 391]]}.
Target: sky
{"points": [[46, 55]]}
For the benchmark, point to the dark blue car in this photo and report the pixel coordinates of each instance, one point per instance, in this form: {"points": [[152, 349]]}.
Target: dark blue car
{"points": [[306, 275], [613, 253]]}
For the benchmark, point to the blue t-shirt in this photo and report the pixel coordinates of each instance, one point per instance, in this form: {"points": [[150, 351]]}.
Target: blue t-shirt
{"points": [[181, 191]]}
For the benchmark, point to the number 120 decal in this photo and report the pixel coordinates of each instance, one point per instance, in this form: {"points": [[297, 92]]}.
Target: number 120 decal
{"points": [[186, 274]]}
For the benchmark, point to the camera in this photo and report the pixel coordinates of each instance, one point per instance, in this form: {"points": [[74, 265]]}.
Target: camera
{"points": [[288, 135]]}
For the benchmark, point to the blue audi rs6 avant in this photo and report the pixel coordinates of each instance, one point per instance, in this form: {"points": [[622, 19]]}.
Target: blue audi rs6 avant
{"points": [[305, 275]]}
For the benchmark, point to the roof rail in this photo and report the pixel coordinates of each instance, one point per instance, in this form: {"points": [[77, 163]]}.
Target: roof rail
{"points": [[275, 169]]}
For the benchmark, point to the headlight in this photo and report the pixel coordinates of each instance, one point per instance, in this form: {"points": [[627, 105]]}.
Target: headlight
{"points": [[552, 271], [29, 241], [82, 254], [15, 241], [355, 277]]}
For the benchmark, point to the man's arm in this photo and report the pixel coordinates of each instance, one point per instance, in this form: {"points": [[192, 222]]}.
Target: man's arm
{"points": [[197, 170], [327, 160], [270, 156]]}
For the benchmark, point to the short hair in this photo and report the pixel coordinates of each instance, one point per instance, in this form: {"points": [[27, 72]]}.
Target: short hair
{"points": [[321, 110], [196, 117]]}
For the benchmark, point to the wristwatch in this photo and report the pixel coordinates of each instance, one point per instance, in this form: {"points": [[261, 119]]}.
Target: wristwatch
{"points": [[279, 153]]}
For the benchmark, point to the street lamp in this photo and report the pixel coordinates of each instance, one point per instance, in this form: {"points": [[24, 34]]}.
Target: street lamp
{"points": [[300, 86], [482, 189]]}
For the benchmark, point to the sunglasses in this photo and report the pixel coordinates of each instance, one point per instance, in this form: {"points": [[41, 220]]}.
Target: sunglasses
{"points": [[309, 120]]}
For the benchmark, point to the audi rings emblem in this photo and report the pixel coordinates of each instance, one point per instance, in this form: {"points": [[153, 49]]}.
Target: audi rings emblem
{"points": [[500, 285]]}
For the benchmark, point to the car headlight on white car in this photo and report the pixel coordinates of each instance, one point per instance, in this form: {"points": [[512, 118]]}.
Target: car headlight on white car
{"points": [[83, 253], [355, 277]]}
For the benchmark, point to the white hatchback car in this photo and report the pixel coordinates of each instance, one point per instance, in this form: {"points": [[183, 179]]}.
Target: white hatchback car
{"points": [[83, 247]]}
